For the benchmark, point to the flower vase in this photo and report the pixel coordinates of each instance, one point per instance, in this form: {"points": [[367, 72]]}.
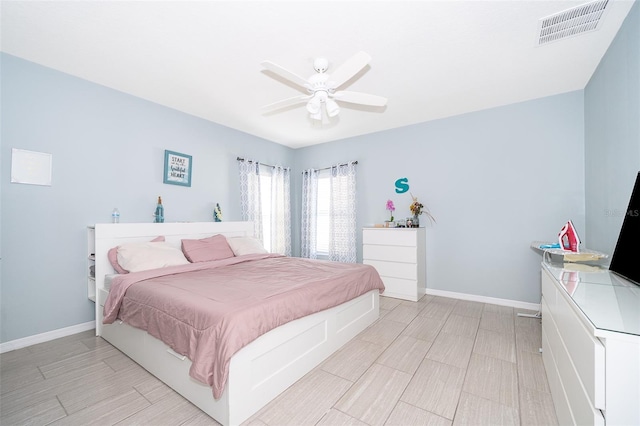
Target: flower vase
{"points": [[415, 221]]}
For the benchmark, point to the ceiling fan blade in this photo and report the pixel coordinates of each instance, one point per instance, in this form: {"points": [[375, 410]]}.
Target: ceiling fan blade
{"points": [[284, 73], [351, 67], [360, 98], [286, 103]]}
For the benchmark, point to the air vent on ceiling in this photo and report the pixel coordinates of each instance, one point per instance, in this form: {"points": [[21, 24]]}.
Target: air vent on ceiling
{"points": [[571, 22]]}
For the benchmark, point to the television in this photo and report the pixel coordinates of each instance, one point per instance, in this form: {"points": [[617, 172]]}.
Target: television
{"points": [[626, 256]]}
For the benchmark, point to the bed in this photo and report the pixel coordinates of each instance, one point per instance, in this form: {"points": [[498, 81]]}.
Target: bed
{"points": [[257, 372]]}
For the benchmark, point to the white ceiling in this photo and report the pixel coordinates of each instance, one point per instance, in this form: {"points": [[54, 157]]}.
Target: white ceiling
{"points": [[431, 59]]}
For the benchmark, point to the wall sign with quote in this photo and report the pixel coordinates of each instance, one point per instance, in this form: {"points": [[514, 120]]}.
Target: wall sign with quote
{"points": [[177, 168]]}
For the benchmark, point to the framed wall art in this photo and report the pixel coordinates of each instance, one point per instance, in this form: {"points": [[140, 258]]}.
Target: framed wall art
{"points": [[177, 168]]}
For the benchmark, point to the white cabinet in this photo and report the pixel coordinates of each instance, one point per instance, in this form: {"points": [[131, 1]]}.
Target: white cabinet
{"points": [[91, 263], [591, 345], [399, 256]]}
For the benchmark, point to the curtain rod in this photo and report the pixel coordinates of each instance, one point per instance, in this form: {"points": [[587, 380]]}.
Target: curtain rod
{"points": [[328, 168], [269, 165], [257, 162]]}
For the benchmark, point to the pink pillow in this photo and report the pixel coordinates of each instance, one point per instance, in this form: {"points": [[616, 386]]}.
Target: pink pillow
{"points": [[206, 249], [112, 255]]}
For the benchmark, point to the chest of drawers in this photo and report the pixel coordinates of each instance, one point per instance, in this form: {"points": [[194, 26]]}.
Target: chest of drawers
{"points": [[399, 256], [591, 345]]}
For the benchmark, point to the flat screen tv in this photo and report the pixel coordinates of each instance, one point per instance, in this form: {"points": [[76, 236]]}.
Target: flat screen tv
{"points": [[626, 257]]}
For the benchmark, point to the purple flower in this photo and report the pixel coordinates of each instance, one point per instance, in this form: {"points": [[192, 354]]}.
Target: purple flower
{"points": [[391, 208]]}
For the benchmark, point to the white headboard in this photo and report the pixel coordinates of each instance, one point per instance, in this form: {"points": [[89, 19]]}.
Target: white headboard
{"points": [[109, 235]]}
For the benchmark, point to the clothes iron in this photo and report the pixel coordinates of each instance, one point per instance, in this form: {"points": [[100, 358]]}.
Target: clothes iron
{"points": [[568, 238]]}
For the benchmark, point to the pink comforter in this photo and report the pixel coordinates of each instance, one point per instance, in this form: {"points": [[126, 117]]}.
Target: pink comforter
{"points": [[210, 310]]}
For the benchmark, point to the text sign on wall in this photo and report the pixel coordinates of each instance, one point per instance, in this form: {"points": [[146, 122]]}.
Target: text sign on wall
{"points": [[177, 168], [402, 185]]}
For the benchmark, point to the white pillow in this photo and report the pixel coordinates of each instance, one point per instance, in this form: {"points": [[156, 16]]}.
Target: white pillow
{"points": [[137, 257], [246, 245]]}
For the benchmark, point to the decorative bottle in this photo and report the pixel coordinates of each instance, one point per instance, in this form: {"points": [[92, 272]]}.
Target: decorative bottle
{"points": [[159, 214], [115, 216]]}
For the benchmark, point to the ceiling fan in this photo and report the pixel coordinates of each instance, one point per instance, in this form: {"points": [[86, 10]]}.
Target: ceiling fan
{"points": [[323, 88]]}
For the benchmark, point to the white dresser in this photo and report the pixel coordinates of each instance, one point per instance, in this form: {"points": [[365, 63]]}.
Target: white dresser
{"points": [[591, 345], [399, 256]]}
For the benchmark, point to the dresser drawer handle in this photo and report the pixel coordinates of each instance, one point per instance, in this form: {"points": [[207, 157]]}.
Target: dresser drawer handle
{"points": [[176, 354]]}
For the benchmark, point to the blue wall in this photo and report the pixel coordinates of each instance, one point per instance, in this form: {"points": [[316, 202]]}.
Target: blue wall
{"points": [[495, 180], [108, 151], [612, 135]]}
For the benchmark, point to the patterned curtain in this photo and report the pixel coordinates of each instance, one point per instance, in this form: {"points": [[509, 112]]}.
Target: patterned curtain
{"points": [[342, 226], [308, 247], [250, 194], [280, 211]]}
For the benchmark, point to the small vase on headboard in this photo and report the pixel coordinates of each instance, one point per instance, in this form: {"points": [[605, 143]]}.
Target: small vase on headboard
{"points": [[217, 213], [159, 213]]}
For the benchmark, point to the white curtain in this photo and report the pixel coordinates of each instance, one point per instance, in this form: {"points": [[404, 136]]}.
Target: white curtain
{"points": [[342, 225], [280, 211], [277, 208], [250, 194], [308, 247]]}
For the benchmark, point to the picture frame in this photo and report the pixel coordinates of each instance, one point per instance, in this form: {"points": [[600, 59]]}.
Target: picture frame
{"points": [[177, 168]]}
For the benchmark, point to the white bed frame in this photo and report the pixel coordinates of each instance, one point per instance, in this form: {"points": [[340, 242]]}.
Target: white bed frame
{"points": [[259, 371]]}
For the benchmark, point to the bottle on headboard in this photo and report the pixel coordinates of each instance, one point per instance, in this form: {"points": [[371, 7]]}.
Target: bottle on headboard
{"points": [[115, 216], [159, 214]]}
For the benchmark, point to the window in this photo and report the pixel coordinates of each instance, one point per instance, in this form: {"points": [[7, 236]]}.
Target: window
{"points": [[323, 212], [329, 213], [265, 201]]}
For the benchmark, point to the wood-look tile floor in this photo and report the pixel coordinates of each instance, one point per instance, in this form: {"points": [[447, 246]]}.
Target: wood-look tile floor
{"points": [[438, 361]]}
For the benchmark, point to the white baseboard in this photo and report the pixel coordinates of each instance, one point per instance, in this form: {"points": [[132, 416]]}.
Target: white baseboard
{"points": [[74, 329], [45, 337], [485, 299]]}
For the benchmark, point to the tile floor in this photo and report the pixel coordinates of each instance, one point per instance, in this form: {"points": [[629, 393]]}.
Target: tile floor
{"points": [[438, 361]]}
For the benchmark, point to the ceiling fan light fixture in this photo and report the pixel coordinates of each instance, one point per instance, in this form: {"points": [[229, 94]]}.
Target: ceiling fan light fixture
{"points": [[332, 108], [313, 106]]}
